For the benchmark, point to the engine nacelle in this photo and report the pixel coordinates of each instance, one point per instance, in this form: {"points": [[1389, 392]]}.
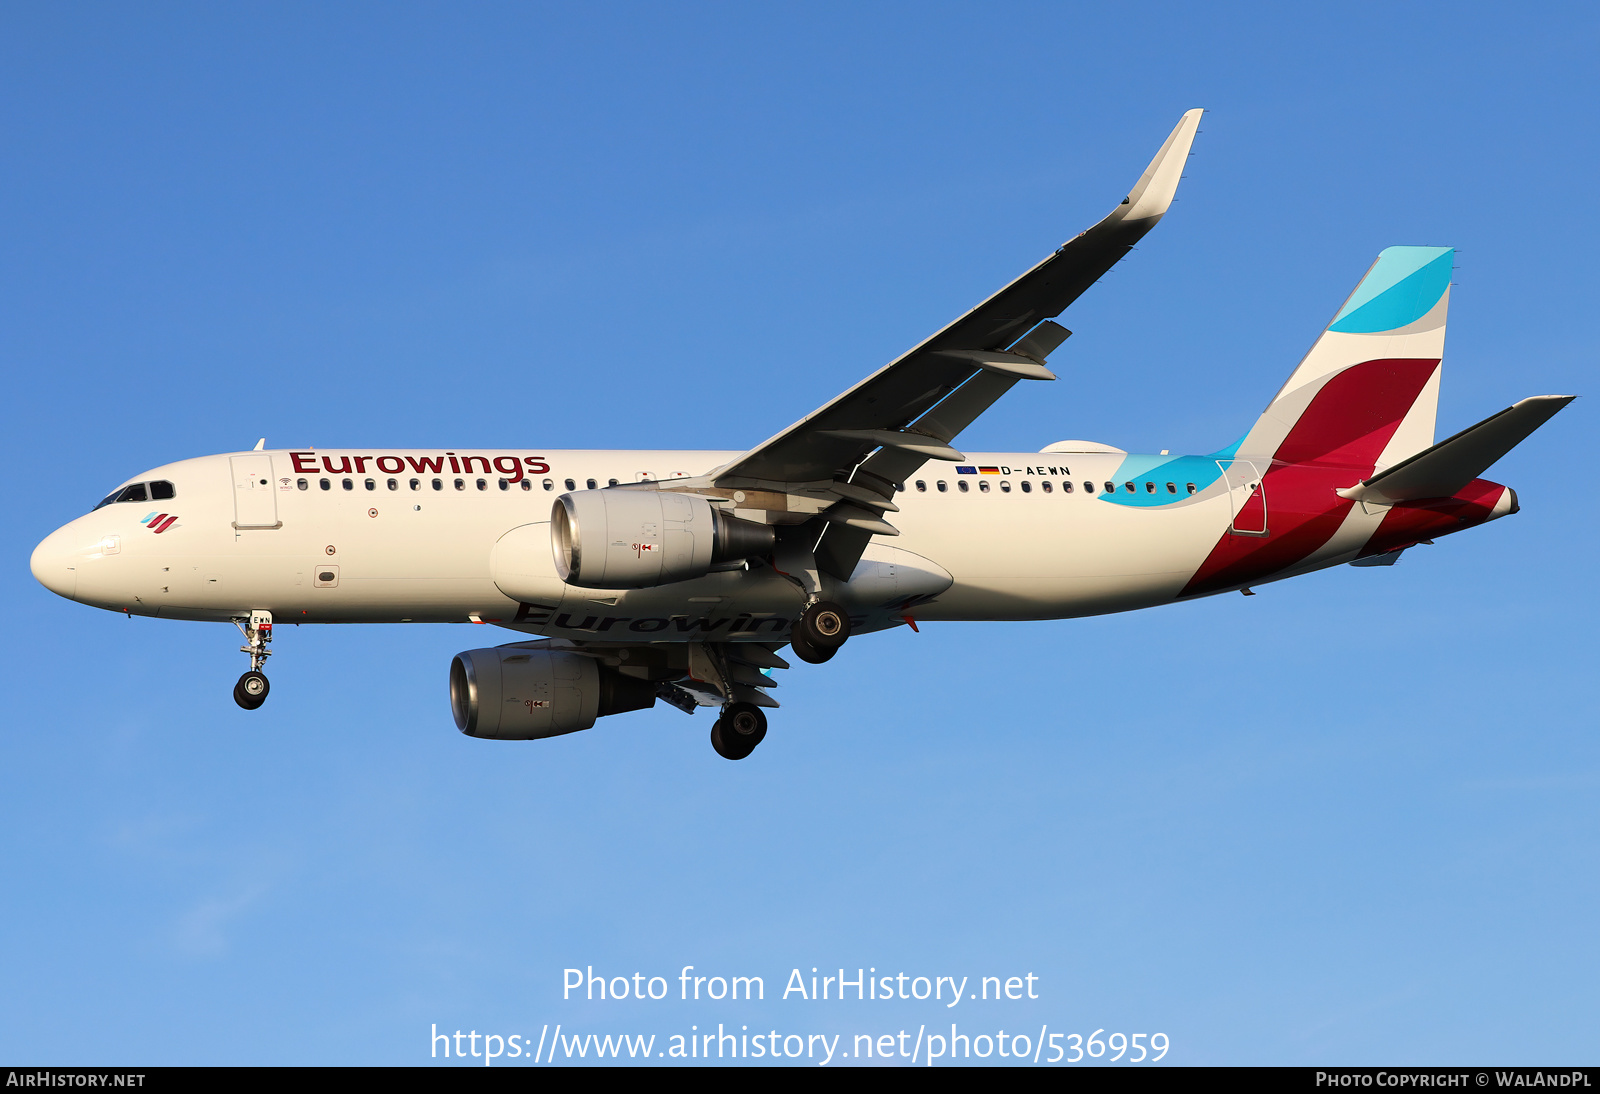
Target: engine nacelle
{"points": [[638, 539], [520, 694]]}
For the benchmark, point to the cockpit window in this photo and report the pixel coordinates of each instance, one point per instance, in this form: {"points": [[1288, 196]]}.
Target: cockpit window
{"points": [[155, 491]]}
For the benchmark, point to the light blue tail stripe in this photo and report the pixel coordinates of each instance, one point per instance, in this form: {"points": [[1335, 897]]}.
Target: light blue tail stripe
{"points": [[1401, 288]]}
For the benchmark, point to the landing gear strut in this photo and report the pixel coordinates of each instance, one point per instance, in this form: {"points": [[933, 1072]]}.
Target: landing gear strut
{"points": [[819, 632], [736, 734], [251, 690]]}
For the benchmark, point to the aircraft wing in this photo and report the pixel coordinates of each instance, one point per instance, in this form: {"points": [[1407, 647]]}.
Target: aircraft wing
{"points": [[890, 410]]}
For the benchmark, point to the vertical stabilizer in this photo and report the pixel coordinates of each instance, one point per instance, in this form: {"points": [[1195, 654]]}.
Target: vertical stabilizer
{"points": [[1368, 392]]}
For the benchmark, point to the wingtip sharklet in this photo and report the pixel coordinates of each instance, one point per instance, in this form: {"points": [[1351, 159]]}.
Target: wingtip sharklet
{"points": [[1152, 195]]}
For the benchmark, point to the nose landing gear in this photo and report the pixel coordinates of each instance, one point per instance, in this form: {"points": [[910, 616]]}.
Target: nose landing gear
{"points": [[736, 734], [251, 690]]}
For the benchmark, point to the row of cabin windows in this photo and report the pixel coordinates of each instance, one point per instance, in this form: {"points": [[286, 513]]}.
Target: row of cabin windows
{"points": [[416, 484], [1048, 487], [162, 491], [141, 491]]}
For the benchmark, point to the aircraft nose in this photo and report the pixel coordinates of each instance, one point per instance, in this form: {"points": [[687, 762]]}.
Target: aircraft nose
{"points": [[55, 564]]}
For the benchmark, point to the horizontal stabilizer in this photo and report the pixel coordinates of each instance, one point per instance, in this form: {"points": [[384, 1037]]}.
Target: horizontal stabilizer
{"points": [[1447, 467]]}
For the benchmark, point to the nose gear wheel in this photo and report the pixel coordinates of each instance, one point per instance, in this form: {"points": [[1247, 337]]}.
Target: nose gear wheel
{"points": [[251, 690]]}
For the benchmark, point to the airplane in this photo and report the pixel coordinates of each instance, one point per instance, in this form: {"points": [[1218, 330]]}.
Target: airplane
{"points": [[636, 576]]}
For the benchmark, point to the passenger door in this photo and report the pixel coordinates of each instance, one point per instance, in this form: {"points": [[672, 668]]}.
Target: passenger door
{"points": [[255, 501]]}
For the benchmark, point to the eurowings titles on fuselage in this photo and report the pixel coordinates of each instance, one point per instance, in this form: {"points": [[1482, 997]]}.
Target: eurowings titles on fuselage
{"points": [[679, 576]]}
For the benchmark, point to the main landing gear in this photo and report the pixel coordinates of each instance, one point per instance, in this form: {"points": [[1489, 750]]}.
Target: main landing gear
{"points": [[819, 632], [251, 690], [736, 734]]}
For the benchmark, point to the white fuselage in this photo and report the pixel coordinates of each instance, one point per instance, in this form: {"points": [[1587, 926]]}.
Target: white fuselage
{"points": [[332, 537]]}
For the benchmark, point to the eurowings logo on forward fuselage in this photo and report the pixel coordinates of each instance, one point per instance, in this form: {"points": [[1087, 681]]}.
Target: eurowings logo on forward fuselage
{"points": [[158, 522]]}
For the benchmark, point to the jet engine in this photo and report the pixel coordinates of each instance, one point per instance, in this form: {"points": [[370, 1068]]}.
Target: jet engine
{"points": [[637, 539], [513, 693]]}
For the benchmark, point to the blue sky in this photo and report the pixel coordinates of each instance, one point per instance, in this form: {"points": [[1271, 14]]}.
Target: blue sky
{"points": [[1350, 820]]}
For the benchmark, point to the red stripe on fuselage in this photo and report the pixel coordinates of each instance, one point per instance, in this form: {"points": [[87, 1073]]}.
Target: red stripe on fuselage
{"points": [[1335, 443]]}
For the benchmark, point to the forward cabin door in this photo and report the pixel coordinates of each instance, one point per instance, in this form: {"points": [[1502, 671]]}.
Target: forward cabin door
{"points": [[1247, 494], [255, 501]]}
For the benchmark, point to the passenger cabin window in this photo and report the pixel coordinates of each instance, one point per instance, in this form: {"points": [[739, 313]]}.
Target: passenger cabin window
{"points": [[416, 484], [1088, 488], [1066, 488], [1132, 489], [348, 484], [1046, 487], [371, 485], [1172, 488], [302, 484], [1149, 488], [571, 485], [505, 484], [549, 484], [1027, 487], [589, 483], [942, 488], [922, 487], [611, 482], [461, 484], [527, 484], [325, 484], [438, 484], [393, 484], [961, 485], [1191, 487], [483, 484], [1005, 487], [983, 485]]}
